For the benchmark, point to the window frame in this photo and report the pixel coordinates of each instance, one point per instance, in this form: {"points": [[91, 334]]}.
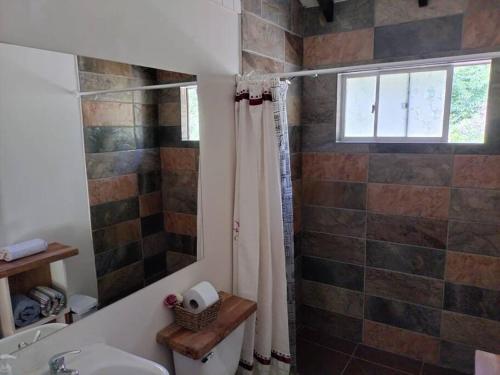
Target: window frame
{"points": [[341, 102]]}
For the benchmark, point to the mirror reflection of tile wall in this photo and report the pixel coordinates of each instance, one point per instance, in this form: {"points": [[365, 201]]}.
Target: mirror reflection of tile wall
{"points": [[142, 177]]}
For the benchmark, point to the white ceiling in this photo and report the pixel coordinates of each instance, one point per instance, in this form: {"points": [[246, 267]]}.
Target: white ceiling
{"points": [[314, 3]]}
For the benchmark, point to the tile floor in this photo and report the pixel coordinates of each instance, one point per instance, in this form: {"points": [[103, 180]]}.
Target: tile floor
{"points": [[320, 355]]}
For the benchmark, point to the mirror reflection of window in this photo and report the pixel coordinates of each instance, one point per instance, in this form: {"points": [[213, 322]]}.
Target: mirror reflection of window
{"points": [[190, 119]]}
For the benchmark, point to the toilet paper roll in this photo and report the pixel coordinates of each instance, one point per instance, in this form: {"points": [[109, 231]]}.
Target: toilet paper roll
{"points": [[199, 297]]}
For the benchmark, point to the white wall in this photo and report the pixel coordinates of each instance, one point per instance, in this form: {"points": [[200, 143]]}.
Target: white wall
{"points": [[43, 189], [193, 36]]}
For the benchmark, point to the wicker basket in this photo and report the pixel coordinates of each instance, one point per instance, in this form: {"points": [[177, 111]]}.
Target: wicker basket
{"points": [[196, 322]]}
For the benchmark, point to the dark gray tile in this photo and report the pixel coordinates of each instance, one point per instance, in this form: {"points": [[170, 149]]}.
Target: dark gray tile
{"points": [[403, 315], [107, 138], [314, 359], [471, 300], [277, 11], [149, 182], [415, 289], [113, 260], [334, 194], [177, 261], [334, 221], [115, 236], [320, 86], [180, 191], [395, 361], [295, 138], [457, 356], [147, 136], [107, 214], [152, 224], [181, 243], [412, 148], [407, 230], [348, 15], [358, 366], [146, 114], [119, 284], [319, 110], [418, 38], [322, 138], [409, 259], [155, 265], [332, 324], [317, 336], [343, 249], [253, 6], [326, 271], [410, 169], [475, 205], [122, 162], [429, 369], [296, 17], [171, 136], [154, 244], [474, 238]]}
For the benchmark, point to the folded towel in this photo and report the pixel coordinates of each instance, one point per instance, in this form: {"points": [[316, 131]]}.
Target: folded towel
{"points": [[25, 310], [57, 298], [23, 249], [43, 300]]}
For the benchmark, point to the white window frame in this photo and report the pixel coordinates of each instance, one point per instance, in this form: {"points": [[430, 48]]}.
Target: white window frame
{"points": [[341, 102], [185, 136]]}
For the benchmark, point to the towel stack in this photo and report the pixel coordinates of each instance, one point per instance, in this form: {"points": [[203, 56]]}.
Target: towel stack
{"points": [[25, 310], [23, 249], [51, 301]]}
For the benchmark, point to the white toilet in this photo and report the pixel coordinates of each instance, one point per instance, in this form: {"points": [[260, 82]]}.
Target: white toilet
{"points": [[221, 360]]}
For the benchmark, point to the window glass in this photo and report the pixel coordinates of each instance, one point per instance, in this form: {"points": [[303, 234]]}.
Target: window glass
{"points": [[426, 103], [392, 105], [190, 119], [360, 106]]}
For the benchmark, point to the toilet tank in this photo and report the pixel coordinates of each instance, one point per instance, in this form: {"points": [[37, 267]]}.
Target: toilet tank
{"points": [[223, 359]]}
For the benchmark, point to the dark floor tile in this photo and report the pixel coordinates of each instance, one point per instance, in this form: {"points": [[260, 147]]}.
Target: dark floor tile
{"points": [[398, 362], [403, 315], [152, 224], [113, 260], [360, 367], [154, 244], [332, 324], [334, 194], [436, 370], [457, 356], [149, 182], [474, 238], [331, 342], [408, 259], [329, 272], [334, 220], [157, 264], [107, 214], [340, 248], [109, 138], [407, 230], [317, 360], [471, 300]]}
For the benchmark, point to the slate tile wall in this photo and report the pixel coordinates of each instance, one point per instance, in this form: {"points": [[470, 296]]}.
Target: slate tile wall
{"points": [[127, 179], [400, 246]]}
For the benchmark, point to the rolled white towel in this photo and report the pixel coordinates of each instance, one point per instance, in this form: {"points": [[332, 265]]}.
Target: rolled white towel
{"points": [[23, 249]]}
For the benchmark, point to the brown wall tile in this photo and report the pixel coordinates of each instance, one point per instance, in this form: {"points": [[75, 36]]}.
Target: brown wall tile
{"points": [[469, 330], [481, 29], [477, 171], [328, 166], [260, 64], [334, 220], [107, 114], [477, 270], [150, 204], [112, 189], [343, 249], [338, 48], [407, 230], [169, 114], [415, 289], [331, 298], [293, 49], [409, 200], [179, 223], [334, 194], [116, 235], [262, 37], [400, 341], [475, 205], [174, 159]]}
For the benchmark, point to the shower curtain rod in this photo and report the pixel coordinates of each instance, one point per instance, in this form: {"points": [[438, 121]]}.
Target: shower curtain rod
{"points": [[138, 88], [380, 66]]}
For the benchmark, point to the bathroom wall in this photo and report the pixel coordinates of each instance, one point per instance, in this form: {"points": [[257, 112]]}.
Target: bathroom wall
{"points": [[139, 193], [401, 242], [149, 33]]}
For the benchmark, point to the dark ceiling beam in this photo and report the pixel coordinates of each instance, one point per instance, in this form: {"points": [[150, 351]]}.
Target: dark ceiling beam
{"points": [[423, 3], [327, 8]]}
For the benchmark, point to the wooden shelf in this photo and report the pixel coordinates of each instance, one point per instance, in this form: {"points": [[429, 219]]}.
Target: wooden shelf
{"points": [[55, 252], [233, 312]]}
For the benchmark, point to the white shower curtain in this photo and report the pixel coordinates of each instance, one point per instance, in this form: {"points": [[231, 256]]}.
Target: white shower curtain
{"points": [[258, 243]]}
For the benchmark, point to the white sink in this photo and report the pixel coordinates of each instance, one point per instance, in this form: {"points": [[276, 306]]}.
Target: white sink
{"points": [[26, 337], [99, 359]]}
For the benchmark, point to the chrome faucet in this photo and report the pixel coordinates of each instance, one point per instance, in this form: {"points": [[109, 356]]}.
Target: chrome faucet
{"points": [[57, 365]]}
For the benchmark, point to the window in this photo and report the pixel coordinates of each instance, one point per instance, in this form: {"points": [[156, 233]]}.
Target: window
{"points": [[190, 120], [441, 103]]}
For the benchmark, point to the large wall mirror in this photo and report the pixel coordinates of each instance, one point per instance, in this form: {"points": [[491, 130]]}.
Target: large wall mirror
{"points": [[132, 134]]}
